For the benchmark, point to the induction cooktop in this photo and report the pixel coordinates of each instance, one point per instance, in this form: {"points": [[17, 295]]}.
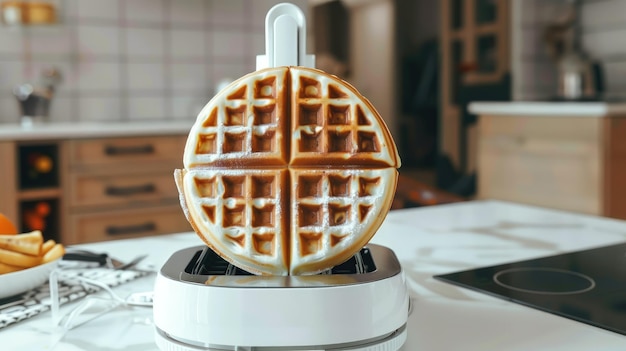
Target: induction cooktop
{"points": [[588, 286]]}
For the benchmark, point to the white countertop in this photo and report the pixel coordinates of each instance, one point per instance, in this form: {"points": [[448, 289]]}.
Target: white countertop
{"points": [[428, 241], [548, 109], [56, 131]]}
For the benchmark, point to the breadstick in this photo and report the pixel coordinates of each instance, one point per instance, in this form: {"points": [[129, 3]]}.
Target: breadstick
{"points": [[45, 247], [33, 249], [7, 268], [55, 252], [34, 236], [18, 259], [28, 243]]}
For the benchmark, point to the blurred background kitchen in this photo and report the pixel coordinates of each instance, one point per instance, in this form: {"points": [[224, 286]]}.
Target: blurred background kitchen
{"points": [[422, 63]]}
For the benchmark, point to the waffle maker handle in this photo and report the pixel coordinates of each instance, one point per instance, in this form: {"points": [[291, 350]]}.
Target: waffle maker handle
{"points": [[285, 38]]}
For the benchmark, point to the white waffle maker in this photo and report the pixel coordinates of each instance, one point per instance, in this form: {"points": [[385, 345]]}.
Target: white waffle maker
{"points": [[202, 302]]}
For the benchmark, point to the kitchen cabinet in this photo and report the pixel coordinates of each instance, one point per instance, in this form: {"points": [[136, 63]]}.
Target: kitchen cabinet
{"points": [[108, 186], [123, 187], [31, 185], [554, 155], [475, 62]]}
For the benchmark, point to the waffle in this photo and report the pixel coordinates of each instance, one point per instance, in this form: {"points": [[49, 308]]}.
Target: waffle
{"points": [[287, 170]]}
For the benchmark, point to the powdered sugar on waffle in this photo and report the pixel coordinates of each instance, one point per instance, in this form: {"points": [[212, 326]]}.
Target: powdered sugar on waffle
{"points": [[288, 170]]}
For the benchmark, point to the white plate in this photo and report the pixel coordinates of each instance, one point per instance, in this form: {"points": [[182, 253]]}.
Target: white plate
{"points": [[18, 282]]}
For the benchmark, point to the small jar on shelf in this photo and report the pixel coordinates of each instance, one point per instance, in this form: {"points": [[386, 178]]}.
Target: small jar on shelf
{"points": [[35, 12]]}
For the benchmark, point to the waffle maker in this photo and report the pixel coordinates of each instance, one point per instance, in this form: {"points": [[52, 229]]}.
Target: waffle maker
{"points": [[202, 302]]}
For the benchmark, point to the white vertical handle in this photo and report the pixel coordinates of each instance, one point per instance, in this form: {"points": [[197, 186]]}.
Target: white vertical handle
{"points": [[285, 41], [285, 38]]}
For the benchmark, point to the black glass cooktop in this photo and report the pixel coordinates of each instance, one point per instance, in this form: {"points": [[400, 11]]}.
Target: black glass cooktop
{"points": [[588, 286]]}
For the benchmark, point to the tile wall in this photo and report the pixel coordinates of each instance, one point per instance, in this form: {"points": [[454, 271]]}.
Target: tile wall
{"points": [[603, 39], [533, 71], [134, 60]]}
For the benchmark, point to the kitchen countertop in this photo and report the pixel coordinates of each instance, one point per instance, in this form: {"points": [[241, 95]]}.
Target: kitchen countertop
{"points": [[428, 241], [55, 131], [548, 109]]}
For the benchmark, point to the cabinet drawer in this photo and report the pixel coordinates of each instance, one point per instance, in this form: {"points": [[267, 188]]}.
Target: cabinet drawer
{"points": [[127, 224], [543, 173], [91, 190], [547, 128], [126, 150]]}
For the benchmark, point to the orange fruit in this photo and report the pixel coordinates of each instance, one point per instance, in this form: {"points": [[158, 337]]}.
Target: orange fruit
{"points": [[43, 164], [42, 209], [34, 221], [6, 226]]}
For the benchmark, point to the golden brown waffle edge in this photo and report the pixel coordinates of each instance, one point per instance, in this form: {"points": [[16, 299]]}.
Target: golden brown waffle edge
{"points": [[288, 170]]}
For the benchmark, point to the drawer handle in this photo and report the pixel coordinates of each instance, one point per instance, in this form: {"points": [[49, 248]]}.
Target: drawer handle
{"points": [[131, 229], [112, 150], [130, 190]]}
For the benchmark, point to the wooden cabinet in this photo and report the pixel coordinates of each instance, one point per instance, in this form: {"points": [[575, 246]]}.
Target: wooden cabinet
{"points": [[474, 64], [123, 187], [108, 188], [124, 223], [569, 163], [31, 181]]}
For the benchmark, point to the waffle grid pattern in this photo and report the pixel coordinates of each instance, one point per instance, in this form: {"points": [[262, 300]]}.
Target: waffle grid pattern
{"points": [[315, 140], [242, 123], [329, 206], [327, 122], [248, 206]]}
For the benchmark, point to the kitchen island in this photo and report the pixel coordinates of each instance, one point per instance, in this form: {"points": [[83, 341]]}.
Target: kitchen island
{"points": [[564, 155], [428, 241]]}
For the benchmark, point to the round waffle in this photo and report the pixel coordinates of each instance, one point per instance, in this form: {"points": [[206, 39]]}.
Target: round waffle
{"points": [[288, 170]]}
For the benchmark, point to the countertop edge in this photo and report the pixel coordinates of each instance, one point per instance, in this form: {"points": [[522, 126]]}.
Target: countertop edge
{"points": [[59, 131], [548, 109]]}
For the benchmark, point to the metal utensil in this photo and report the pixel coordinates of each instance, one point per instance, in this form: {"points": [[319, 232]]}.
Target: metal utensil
{"points": [[131, 263], [102, 259]]}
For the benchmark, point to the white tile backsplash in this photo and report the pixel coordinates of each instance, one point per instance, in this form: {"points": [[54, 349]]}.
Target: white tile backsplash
{"points": [[100, 108], [145, 76], [615, 76], [188, 44], [188, 106], [147, 107], [189, 13], [541, 12], [11, 74], [68, 69], [108, 10], [605, 43], [145, 43], [533, 72], [10, 109], [99, 40], [188, 77], [12, 40], [56, 42], [99, 76], [257, 40], [135, 59], [138, 12], [604, 39], [62, 108], [231, 13], [230, 44], [68, 12], [603, 14], [228, 72]]}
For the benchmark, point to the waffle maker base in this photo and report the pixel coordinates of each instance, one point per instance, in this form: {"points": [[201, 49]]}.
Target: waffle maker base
{"points": [[203, 303]]}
